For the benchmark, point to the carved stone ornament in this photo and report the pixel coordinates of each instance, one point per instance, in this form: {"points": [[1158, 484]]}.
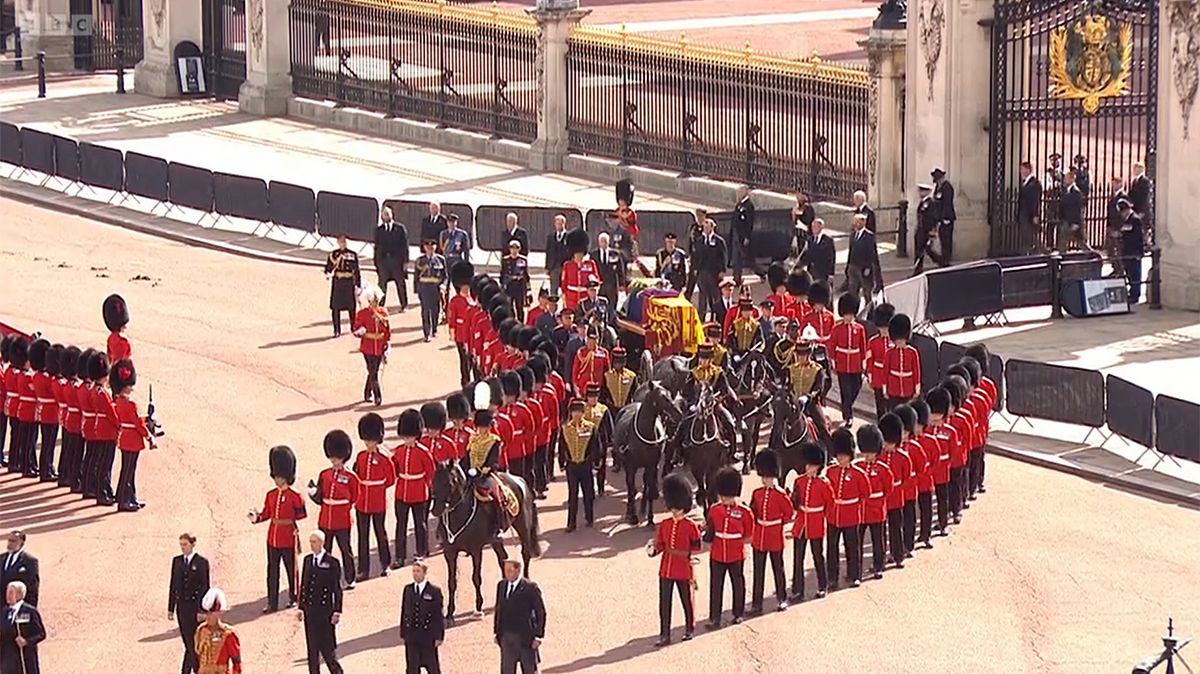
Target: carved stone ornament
{"points": [[873, 70], [158, 18], [254, 15], [1185, 56], [930, 25]]}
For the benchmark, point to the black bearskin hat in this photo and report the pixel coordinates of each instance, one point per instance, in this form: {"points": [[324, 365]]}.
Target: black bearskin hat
{"points": [[433, 415], [83, 365], [487, 292], [460, 273], [338, 445], [766, 464], [409, 424], [956, 386], [818, 293], [539, 366], [973, 370], [908, 416], [577, 241], [798, 282], [483, 418], [814, 454], [116, 312], [677, 492], [523, 336], [69, 363], [728, 482], [458, 407], [54, 359], [551, 355], [477, 282], [97, 366], [891, 428], [370, 427], [499, 313], [776, 276], [507, 330], [37, 354], [882, 317], [510, 383], [921, 409], [122, 375], [955, 370], [624, 190], [283, 463], [842, 441], [938, 400], [848, 305], [527, 380], [496, 390], [900, 327], [870, 440], [979, 353], [18, 352], [4, 344]]}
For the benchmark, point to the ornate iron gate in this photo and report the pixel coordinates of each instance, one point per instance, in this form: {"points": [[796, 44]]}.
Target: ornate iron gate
{"points": [[1077, 79], [104, 28], [225, 46]]}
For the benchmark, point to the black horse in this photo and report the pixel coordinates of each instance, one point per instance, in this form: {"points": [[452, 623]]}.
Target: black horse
{"points": [[698, 443], [640, 435], [467, 522], [792, 427], [750, 379]]}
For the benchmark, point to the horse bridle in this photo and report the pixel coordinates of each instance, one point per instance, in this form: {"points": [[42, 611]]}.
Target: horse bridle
{"points": [[451, 507], [636, 415]]}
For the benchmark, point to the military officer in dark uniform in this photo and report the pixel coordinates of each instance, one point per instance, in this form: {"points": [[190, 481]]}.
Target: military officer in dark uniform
{"points": [[943, 197], [514, 278], [671, 263], [778, 346], [321, 604], [430, 272], [422, 627], [341, 268], [482, 458], [578, 453], [595, 309], [926, 229]]}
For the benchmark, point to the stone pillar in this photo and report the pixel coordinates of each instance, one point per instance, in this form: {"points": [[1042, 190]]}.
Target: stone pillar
{"points": [[555, 18], [166, 23], [885, 160], [1176, 166], [268, 82], [47, 25], [948, 106]]}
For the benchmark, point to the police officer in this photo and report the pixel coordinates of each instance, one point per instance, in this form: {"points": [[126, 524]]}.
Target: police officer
{"points": [[321, 604], [671, 262], [927, 222], [514, 278], [431, 277]]}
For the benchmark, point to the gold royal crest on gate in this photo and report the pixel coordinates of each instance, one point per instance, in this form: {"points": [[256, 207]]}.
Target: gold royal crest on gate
{"points": [[1090, 59]]}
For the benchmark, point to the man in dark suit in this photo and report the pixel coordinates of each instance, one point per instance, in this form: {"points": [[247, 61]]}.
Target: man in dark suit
{"points": [[189, 584], [1070, 213], [321, 604], [514, 232], [943, 199], [819, 256], [422, 627], [21, 631], [708, 259], [520, 621], [861, 208], [740, 231], [556, 252], [611, 264], [1141, 197], [863, 272], [1113, 224], [391, 256], [433, 225], [1029, 207], [1132, 247], [17, 564]]}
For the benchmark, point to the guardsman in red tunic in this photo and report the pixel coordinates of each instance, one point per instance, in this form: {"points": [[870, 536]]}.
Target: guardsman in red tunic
{"points": [[41, 354], [877, 348], [454, 439], [779, 298], [458, 315], [900, 466], [84, 465], [433, 431], [728, 528], [919, 464], [772, 509], [26, 409], [548, 432], [577, 271], [72, 450], [116, 318], [414, 477], [949, 448], [282, 508], [532, 415], [218, 650], [979, 352], [677, 539], [107, 425], [519, 422], [132, 436], [850, 490], [819, 317], [798, 284], [373, 328], [977, 403], [964, 425], [5, 341], [375, 475], [591, 362], [813, 500], [930, 450], [901, 364], [336, 490], [879, 476], [847, 348]]}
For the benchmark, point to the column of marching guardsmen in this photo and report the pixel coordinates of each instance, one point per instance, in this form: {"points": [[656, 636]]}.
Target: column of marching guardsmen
{"points": [[86, 396]]}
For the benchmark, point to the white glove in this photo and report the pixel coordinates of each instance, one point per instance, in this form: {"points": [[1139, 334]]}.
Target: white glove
{"points": [[252, 516], [472, 473]]}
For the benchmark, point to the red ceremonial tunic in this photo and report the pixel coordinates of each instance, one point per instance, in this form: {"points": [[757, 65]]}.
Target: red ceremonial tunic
{"points": [[458, 317], [26, 398], [847, 347], [560, 386], [502, 426], [414, 473], [87, 415], [73, 419], [731, 527], [977, 405], [676, 540], [532, 315], [47, 407], [920, 467], [772, 509], [378, 331], [779, 303], [575, 277], [989, 389], [107, 422], [282, 508], [478, 327], [339, 490], [900, 465], [964, 424], [118, 347], [877, 348], [453, 445], [850, 489], [931, 449], [133, 433], [901, 372], [590, 366], [798, 311], [4, 388], [948, 450], [822, 321], [375, 473], [218, 651], [813, 499], [545, 398], [880, 478], [58, 387], [534, 422]]}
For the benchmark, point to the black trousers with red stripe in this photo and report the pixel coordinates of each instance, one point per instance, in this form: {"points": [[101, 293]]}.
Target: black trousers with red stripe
{"points": [[665, 587]]}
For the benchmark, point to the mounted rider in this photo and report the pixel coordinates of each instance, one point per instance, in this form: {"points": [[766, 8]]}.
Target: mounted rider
{"points": [[619, 381], [482, 458], [706, 374], [745, 333], [778, 346], [713, 334]]}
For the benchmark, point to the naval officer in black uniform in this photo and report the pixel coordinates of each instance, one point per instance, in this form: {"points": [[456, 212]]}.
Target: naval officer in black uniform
{"points": [[422, 628], [321, 604]]}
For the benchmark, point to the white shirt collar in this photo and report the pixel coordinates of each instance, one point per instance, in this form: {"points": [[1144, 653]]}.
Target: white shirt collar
{"points": [[421, 586], [318, 557], [187, 559], [17, 606]]}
